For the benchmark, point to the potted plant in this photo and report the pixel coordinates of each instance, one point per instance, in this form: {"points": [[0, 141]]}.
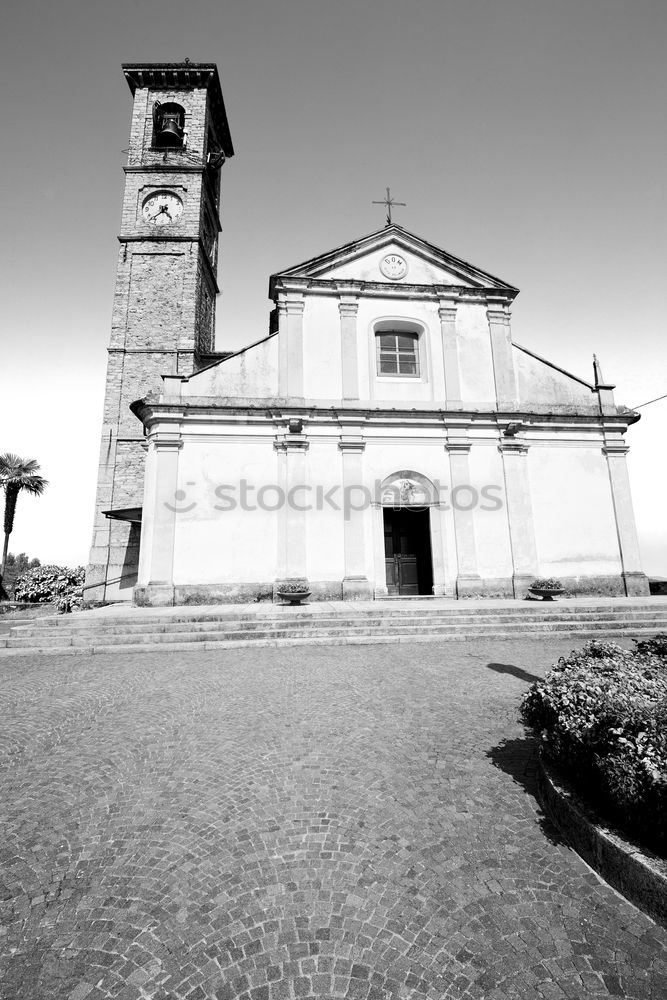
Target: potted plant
{"points": [[293, 591], [546, 587]]}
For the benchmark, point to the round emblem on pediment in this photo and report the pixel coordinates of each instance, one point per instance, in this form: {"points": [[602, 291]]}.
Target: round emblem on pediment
{"points": [[394, 266]]}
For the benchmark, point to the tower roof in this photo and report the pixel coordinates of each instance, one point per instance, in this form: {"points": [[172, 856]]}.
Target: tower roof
{"points": [[184, 76]]}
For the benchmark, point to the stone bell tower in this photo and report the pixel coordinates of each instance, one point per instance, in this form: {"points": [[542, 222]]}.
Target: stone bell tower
{"points": [[164, 304]]}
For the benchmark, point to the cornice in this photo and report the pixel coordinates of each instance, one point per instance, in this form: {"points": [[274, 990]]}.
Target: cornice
{"points": [[165, 168], [377, 289]]}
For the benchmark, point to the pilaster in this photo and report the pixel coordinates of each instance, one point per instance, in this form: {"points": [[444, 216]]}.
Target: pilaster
{"points": [[468, 581], [294, 309], [348, 307], [292, 551], [636, 583], [356, 586], [158, 528], [498, 314], [519, 514], [450, 352]]}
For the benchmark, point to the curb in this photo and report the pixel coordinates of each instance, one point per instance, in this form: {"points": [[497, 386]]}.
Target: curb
{"points": [[620, 863]]}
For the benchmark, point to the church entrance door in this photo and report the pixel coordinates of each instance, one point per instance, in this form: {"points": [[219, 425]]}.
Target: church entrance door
{"points": [[407, 550]]}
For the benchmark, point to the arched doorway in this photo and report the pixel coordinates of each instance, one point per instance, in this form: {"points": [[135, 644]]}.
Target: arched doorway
{"points": [[407, 498]]}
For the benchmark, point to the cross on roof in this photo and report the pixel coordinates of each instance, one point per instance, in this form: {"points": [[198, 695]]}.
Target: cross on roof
{"points": [[389, 202]]}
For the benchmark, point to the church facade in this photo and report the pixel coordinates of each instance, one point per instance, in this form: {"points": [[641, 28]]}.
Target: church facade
{"points": [[387, 436]]}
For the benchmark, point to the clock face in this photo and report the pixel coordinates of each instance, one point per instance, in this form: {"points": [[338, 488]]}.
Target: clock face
{"points": [[393, 266], [162, 208]]}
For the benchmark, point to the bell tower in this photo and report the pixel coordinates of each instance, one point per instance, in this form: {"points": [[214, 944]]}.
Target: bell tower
{"points": [[166, 286]]}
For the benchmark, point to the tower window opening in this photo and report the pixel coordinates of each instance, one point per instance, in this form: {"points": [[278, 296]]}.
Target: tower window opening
{"points": [[168, 125]]}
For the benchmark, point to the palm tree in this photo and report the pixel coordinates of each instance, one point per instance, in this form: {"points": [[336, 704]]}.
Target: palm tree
{"points": [[17, 474]]}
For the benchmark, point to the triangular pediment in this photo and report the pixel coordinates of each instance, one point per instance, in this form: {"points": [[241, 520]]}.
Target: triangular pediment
{"points": [[393, 255]]}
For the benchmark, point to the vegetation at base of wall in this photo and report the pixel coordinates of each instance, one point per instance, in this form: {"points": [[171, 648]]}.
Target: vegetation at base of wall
{"points": [[601, 719], [16, 567], [53, 585]]}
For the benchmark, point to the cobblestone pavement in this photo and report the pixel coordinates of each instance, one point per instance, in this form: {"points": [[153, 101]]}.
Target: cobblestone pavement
{"points": [[303, 822]]}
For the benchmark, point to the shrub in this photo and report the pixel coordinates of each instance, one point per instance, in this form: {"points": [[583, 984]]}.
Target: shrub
{"points": [[52, 584], [657, 646], [601, 718], [546, 583], [294, 587], [16, 567]]}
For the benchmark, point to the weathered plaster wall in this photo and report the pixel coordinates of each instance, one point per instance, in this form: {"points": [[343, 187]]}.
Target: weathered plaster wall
{"points": [[539, 383], [253, 373], [475, 361], [575, 526], [217, 541]]}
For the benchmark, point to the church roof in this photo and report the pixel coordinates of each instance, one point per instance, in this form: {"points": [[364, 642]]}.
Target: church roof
{"points": [[437, 266]]}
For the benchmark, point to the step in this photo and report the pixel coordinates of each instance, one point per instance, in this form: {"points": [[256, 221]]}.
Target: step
{"points": [[342, 630], [219, 645], [98, 628], [524, 608], [102, 625]]}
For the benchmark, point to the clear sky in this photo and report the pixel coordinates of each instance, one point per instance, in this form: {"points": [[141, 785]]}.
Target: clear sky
{"points": [[526, 136]]}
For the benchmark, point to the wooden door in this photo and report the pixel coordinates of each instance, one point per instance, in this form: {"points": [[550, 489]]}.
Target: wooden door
{"points": [[407, 552]]}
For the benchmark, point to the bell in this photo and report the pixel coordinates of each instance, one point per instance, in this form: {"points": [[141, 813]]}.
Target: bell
{"points": [[170, 132]]}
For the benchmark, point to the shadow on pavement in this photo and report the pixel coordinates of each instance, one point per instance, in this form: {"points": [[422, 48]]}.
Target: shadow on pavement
{"points": [[509, 668], [518, 758]]}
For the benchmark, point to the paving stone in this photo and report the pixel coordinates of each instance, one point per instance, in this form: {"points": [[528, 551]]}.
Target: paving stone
{"points": [[311, 822]]}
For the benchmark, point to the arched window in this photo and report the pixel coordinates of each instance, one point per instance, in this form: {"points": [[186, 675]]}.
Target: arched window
{"points": [[397, 353], [168, 125]]}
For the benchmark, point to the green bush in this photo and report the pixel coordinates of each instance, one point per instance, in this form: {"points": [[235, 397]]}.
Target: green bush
{"points": [[51, 584], [657, 645], [601, 718], [546, 583], [16, 567]]}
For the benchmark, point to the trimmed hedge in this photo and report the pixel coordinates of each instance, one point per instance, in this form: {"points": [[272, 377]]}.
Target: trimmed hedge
{"points": [[52, 585], [601, 718]]}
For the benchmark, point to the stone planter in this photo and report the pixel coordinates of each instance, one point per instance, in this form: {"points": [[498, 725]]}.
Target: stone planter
{"points": [[294, 597], [546, 595]]}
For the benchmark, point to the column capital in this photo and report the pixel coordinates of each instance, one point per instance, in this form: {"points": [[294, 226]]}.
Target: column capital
{"points": [[348, 306], [498, 313], [287, 444], [513, 447], [615, 448], [351, 445], [447, 311], [295, 305], [166, 442], [459, 447]]}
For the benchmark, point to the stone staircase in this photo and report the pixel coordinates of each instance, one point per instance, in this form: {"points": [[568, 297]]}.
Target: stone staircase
{"points": [[119, 627]]}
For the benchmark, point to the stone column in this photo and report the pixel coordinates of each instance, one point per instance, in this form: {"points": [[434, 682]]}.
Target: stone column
{"points": [[348, 307], [356, 586], [292, 554], [503, 356], [450, 352], [158, 529], [519, 514], [468, 580], [634, 579]]}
